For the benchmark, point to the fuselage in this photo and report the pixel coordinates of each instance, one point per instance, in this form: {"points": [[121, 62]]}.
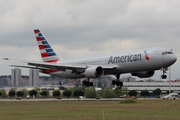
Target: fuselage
{"points": [[149, 59]]}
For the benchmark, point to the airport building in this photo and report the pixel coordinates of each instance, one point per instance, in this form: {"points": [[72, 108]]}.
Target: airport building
{"points": [[164, 86], [34, 77], [4, 82], [16, 80]]}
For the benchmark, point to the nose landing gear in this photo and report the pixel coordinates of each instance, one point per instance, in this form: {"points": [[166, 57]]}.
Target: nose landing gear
{"points": [[164, 71]]}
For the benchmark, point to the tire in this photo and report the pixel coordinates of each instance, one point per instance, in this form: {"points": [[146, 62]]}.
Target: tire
{"points": [[83, 82], [91, 84], [117, 83], [113, 82], [87, 84], [163, 76], [121, 83]]}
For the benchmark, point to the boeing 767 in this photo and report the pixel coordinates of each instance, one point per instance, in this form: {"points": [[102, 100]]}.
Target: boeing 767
{"points": [[141, 63]]}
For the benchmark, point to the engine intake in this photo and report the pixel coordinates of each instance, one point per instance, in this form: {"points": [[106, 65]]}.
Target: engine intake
{"points": [[144, 74], [94, 72]]}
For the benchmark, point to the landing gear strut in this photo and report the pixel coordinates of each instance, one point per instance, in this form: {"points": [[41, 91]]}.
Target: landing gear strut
{"points": [[117, 82], [164, 76], [87, 83]]}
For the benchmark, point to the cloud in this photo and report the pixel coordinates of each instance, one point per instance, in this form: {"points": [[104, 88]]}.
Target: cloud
{"points": [[78, 28]]}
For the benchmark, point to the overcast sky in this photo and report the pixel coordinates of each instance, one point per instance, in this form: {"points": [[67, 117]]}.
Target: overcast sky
{"points": [[85, 27]]}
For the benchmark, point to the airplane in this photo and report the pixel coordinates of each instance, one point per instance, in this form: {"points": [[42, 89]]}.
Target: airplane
{"points": [[141, 63], [170, 96]]}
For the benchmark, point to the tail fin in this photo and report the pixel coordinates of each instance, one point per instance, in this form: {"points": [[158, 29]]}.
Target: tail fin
{"points": [[47, 53]]}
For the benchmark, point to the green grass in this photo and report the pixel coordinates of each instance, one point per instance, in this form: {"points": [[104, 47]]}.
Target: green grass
{"points": [[91, 110], [127, 101]]}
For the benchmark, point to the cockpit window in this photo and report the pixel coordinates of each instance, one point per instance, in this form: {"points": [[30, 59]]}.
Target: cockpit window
{"points": [[164, 53], [170, 52]]}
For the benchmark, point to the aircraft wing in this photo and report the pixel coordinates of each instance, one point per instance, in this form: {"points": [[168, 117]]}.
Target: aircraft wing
{"points": [[55, 66]]}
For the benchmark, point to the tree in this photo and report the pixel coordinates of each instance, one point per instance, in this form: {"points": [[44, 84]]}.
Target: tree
{"points": [[90, 93], [108, 93], [102, 92], [11, 93], [56, 93], [117, 91], [73, 89], [67, 93], [44, 93], [157, 91], [0, 93], [123, 91], [4, 95], [144, 93], [132, 93], [13, 89], [24, 90], [32, 92], [83, 88], [78, 93], [20, 93]]}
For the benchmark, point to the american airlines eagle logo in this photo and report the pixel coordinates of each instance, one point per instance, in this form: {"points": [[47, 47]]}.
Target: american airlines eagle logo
{"points": [[146, 56]]}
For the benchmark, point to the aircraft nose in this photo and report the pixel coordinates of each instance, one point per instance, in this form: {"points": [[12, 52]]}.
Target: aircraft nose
{"points": [[173, 59]]}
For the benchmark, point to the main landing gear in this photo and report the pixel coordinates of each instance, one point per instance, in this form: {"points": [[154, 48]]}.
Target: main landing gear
{"points": [[117, 82], [87, 83], [164, 76]]}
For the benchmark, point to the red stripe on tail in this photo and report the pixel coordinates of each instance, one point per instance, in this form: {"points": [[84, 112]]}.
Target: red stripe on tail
{"points": [[44, 55], [38, 38], [35, 31], [41, 47]]}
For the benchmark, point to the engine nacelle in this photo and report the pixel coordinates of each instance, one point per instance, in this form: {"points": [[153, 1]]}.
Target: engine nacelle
{"points": [[94, 72], [144, 74]]}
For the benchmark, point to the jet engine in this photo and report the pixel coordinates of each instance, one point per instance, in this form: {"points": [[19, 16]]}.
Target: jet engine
{"points": [[94, 72], [144, 74]]}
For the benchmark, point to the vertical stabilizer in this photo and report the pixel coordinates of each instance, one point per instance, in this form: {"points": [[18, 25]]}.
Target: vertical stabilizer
{"points": [[47, 53]]}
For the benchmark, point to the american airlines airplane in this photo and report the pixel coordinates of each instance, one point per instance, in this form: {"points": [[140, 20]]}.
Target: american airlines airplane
{"points": [[141, 63]]}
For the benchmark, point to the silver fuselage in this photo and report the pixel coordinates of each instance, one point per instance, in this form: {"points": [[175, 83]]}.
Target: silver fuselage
{"points": [[149, 59]]}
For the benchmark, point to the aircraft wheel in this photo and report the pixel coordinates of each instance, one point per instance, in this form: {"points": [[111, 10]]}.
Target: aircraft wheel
{"points": [[121, 83], [113, 82], [163, 76], [87, 84], [90, 83], [83, 82], [117, 83]]}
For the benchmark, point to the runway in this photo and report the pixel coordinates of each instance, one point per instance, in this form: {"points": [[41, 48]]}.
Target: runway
{"points": [[73, 99]]}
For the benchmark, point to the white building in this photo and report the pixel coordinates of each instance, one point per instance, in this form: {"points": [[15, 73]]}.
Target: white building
{"points": [[34, 77], [16, 79], [129, 79], [164, 86]]}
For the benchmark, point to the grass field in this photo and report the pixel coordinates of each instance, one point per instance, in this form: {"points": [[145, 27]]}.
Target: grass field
{"points": [[86, 110]]}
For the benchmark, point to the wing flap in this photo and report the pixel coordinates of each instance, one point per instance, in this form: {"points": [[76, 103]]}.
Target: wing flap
{"points": [[57, 66], [30, 67]]}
